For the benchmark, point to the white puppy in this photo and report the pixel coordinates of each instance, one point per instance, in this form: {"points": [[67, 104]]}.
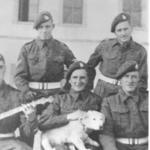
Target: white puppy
{"points": [[74, 132]]}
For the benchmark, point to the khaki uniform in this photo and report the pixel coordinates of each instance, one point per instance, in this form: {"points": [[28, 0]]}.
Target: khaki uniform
{"points": [[56, 115], [126, 117], [110, 55], [9, 99], [42, 62]]}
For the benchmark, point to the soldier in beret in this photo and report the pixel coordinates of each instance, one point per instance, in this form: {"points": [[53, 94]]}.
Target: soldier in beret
{"points": [[41, 62], [110, 54], [66, 107], [9, 99], [126, 126]]}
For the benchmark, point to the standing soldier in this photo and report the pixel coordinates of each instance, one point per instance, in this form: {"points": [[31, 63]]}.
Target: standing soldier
{"points": [[126, 126], [111, 53], [41, 62]]}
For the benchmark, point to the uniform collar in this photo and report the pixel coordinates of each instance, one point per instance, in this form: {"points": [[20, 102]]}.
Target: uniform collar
{"points": [[41, 43], [125, 45], [125, 97], [115, 42], [83, 94]]}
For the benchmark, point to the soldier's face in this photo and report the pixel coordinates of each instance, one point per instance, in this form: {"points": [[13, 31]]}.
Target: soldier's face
{"points": [[45, 30], [2, 71], [129, 81], [78, 80], [123, 31]]}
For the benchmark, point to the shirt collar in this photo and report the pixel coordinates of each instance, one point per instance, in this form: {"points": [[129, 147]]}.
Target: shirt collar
{"points": [[40, 42], [126, 44], [115, 42], [125, 97], [83, 94]]}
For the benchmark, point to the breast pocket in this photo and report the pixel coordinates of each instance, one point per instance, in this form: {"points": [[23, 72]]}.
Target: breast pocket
{"points": [[33, 60], [59, 59], [120, 116], [66, 108], [112, 59]]}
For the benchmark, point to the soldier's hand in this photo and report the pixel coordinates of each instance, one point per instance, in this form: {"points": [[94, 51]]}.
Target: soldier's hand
{"points": [[29, 111], [30, 95], [75, 115]]}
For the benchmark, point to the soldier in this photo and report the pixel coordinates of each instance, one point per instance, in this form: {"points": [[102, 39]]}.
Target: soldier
{"points": [[126, 126], [66, 106], [41, 62], [9, 99], [112, 53]]}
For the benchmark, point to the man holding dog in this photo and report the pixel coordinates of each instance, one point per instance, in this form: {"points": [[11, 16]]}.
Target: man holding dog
{"points": [[66, 106], [110, 54], [126, 126]]}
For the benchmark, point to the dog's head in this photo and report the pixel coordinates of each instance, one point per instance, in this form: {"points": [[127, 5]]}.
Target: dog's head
{"points": [[93, 120]]}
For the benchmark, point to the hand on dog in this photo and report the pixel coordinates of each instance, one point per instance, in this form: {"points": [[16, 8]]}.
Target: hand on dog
{"points": [[75, 115]]}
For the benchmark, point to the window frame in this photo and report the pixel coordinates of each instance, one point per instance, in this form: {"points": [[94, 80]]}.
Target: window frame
{"points": [[28, 21], [73, 24], [136, 28]]}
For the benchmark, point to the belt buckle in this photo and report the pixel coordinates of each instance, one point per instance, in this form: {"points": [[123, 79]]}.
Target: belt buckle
{"points": [[42, 86], [115, 82], [133, 141]]}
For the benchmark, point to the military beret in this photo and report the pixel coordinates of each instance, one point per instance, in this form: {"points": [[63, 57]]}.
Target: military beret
{"points": [[128, 66], [119, 18], [41, 18], [2, 58], [75, 66]]}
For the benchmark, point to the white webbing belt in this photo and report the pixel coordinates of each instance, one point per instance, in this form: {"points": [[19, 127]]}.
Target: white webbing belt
{"points": [[133, 141], [6, 135], [107, 79], [44, 85]]}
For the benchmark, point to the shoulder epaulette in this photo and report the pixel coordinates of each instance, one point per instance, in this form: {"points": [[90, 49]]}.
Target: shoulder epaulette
{"points": [[28, 43], [61, 43]]}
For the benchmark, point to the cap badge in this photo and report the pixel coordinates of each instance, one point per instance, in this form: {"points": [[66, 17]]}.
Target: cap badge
{"points": [[124, 17], [136, 66], [46, 17], [81, 65]]}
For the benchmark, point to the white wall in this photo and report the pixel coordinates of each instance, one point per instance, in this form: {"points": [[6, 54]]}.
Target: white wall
{"points": [[98, 15]]}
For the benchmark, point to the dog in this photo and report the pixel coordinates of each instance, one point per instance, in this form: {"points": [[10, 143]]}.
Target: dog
{"points": [[75, 132]]}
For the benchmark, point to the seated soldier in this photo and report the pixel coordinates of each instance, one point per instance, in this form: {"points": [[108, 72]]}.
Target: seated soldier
{"points": [[126, 113], [9, 99], [78, 97]]}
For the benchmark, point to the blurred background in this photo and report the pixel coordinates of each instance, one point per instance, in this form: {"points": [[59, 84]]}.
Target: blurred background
{"points": [[81, 24]]}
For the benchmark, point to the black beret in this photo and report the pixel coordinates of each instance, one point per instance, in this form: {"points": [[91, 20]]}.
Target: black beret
{"points": [[128, 66], [2, 58], [75, 66], [120, 18], [41, 18]]}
